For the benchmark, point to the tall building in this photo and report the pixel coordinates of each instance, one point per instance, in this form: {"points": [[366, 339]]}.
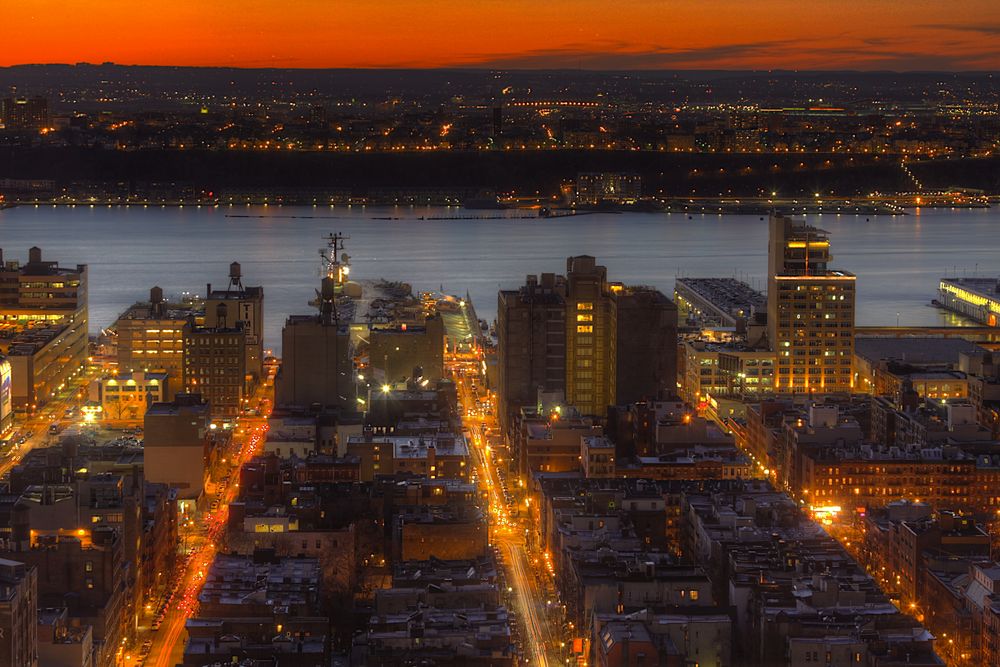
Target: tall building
{"points": [[647, 350], [579, 336], [532, 332], [215, 363], [23, 113], [591, 337], [43, 326], [151, 337], [245, 309], [810, 311], [18, 614]]}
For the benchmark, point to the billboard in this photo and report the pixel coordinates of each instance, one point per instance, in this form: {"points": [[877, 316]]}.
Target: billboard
{"points": [[6, 408]]}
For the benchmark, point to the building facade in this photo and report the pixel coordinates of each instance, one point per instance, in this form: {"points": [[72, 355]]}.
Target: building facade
{"points": [[810, 311], [151, 336], [215, 365], [43, 326]]}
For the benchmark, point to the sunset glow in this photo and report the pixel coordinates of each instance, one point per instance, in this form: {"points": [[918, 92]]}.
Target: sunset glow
{"points": [[646, 34]]}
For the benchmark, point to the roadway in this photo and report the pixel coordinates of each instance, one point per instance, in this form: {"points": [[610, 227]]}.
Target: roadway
{"points": [[206, 534], [529, 600]]}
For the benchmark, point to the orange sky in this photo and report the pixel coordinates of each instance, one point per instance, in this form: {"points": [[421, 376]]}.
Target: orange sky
{"points": [[678, 34]]}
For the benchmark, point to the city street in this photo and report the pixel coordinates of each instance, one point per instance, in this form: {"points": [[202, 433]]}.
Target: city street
{"points": [[539, 637], [168, 641]]}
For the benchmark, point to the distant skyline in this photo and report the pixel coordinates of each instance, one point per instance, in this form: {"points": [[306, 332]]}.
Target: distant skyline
{"points": [[531, 34]]}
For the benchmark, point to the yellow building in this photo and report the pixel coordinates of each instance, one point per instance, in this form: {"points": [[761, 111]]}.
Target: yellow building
{"points": [[810, 311]]}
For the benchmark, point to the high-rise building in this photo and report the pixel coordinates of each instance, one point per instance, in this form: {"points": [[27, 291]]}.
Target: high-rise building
{"points": [[579, 336], [215, 363], [810, 311], [647, 349], [18, 614], [43, 315], [23, 113], [532, 331], [245, 309], [591, 337], [151, 337]]}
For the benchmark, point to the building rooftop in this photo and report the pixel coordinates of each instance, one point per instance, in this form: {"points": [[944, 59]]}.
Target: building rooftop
{"points": [[727, 294], [987, 287], [917, 351]]}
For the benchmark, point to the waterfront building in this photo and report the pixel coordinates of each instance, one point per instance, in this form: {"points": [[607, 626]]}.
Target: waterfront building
{"points": [[591, 337], [150, 336], [578, 336], [646, 366], [215, 364], [244, 310], [612, 187], [810, 311], [722, 302], [976, 298], [532, 336], [43, 326]]}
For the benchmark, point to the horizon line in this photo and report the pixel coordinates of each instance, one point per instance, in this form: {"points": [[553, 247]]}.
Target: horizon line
{"points": [[487, 68]]}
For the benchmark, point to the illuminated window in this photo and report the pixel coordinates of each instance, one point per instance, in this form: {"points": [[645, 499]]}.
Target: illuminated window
{"points": [[585, 318], [584, 305], [585, 328]]}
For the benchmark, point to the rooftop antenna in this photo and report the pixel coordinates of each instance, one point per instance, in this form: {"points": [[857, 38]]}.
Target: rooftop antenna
{"points": [[336, 269]]}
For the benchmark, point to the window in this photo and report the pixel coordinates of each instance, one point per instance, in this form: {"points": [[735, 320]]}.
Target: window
{"points": [[585, 328], [584, 305], [88, 566], [694, 594], [585, 317]]}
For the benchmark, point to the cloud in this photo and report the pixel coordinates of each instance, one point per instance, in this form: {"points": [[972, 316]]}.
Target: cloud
{"points": [[623, 57], [989, 30], [865, 54]]}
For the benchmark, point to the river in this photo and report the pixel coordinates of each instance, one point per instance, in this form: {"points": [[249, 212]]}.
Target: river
{"points": [[898, 260]]}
